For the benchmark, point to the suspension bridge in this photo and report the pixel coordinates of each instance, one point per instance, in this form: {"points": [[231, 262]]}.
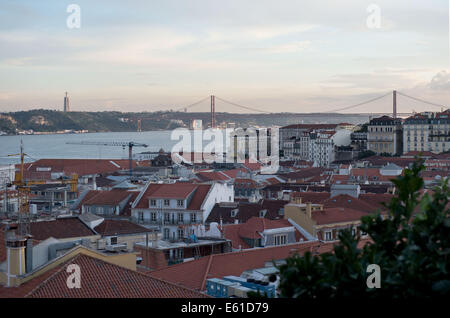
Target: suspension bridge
{"points": [[328, 110]]}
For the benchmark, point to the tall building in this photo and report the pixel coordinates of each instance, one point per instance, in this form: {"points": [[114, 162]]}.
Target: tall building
{"points": [[384, 135], [66, 103], [427, 132]]}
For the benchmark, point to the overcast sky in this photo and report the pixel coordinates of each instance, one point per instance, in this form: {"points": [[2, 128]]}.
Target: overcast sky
{"points": [[293, 56]]}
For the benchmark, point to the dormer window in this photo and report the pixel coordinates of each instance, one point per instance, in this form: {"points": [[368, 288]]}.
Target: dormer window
{"points": [[166, 202], [180, 203], [152, 202]]}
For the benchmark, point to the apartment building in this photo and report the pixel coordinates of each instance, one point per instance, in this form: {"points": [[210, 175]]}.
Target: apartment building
{"points": [[323, 223], [384, 135], [176, 209], [321, 148], [427, 132], [296, 137]]}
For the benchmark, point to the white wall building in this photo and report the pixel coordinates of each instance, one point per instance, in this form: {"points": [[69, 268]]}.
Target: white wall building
{"points": [[178, 208]]}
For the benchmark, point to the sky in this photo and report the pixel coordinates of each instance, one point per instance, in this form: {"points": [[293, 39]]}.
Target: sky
{"points": [[276, 56]]}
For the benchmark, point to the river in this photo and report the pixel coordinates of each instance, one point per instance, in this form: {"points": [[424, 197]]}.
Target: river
{"points": [[54, 146]]}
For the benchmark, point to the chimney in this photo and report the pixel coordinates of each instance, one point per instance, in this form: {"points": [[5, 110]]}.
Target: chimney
{"points": [[308, 209], [15, 256]]}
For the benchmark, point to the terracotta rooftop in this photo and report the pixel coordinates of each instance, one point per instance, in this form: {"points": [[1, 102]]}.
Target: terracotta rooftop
{"points": [[347, 201], [60, 228], [106, 280], [119, 227], [219, 265], [337, 215], [303, 174], [179, 190], [111, 197], [311, 197], [212, 176], [246, 211], [252, 228], [78, 166]]}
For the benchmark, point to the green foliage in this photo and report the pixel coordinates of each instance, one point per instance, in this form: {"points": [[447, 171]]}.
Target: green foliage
{"points": [[411, 246]]}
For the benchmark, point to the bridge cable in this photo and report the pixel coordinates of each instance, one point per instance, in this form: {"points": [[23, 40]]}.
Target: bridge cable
{"points": [[192, 105], [242, 106], [421, 100], [356, 105]]}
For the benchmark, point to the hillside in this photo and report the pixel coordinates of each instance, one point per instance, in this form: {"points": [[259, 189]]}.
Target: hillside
{"points": [[42, 120]]}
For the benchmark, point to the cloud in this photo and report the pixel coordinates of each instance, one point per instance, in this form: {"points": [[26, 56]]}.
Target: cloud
{"points": [[441, 81]]}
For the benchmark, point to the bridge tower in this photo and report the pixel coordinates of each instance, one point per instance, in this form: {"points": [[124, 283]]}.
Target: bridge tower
{"points": [[213, 111], [394, 104]]}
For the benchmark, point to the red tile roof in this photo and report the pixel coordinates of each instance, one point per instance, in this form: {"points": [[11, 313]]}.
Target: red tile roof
{"points": [[246, 183], [311, 197], [337, 215], [100, 279], [376, 199], [234, 172], [119, 227], [347, 201], [231, 232], [179, 190], [253, 166], [173, 191], [212, 176], [60, 228], [78, 166], [111, 197], [219, 265], [25, 288], [252, 228]]}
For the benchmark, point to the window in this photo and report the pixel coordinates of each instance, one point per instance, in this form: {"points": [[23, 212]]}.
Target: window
{"points": [[180, 203], [153, 216], [193, 217], [141, 216], [113, 240], [166, 202], [280, 240], [180, 233], [152, 202], [328, 236], [180, 217], [166, 234]]}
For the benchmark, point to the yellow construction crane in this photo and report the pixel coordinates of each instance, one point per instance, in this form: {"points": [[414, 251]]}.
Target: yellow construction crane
{"points": [[20, 182], [23, 189]]}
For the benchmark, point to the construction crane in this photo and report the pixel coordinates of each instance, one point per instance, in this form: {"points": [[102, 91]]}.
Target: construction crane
{"points": [[23, 189], [129, 144]]}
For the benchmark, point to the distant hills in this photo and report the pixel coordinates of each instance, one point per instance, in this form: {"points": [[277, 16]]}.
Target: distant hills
{"points": [[42, 120]]}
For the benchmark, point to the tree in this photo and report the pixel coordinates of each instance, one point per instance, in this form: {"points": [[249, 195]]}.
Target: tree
{"points": [[411, 246]]}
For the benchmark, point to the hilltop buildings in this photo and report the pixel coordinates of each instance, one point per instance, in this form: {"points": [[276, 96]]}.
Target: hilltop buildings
{"points": [[427, 132]]}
